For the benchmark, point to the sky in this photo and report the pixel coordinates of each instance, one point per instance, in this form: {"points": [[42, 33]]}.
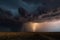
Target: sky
{"points": [[29, 6]]}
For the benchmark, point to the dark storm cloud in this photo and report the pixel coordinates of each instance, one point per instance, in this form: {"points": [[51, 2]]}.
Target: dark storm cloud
{"points": [[29, 5], [13, 5], [10, 5]]}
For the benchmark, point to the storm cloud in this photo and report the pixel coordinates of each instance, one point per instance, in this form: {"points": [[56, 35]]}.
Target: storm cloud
{"points": [[30, 5]]}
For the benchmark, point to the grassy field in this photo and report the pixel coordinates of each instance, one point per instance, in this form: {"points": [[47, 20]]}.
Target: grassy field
{"points": [[29, 36]]}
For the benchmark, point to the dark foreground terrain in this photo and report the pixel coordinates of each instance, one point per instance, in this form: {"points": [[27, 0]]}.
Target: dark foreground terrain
{"points": [[28, 36]]}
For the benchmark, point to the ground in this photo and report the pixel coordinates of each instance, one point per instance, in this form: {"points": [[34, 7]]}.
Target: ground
{"points": [[29, 36]]}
